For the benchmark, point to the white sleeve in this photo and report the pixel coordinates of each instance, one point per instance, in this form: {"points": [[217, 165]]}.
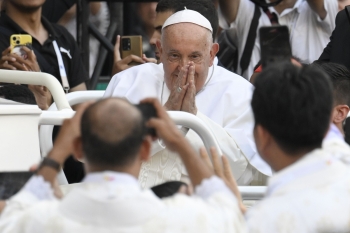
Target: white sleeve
{"points": [[209, 187], [34, 191], [328, 23], [238, 148], [243, 19]]}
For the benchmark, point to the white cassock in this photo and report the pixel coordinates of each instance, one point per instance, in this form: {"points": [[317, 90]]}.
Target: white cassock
{"points": [[223, 104], [311, 195], [114, 202]]}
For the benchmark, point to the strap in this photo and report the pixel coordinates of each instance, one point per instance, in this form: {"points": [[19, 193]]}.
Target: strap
{"points": [[248, 48], [61, 67]]}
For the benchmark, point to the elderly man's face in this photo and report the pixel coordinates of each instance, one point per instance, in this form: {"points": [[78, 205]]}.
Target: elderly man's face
{"points": [[182, 43]]}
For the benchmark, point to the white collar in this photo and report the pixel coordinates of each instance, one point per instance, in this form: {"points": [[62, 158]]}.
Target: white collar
{"points": [[333, 133], [110, 176], [287, 10], [310, 163]]}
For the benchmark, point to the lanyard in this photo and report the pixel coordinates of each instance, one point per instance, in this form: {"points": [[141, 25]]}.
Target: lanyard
{"points": [[62, 69]]}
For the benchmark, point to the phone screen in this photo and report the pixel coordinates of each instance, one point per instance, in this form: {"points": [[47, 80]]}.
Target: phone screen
{"points": [[274, 44]]}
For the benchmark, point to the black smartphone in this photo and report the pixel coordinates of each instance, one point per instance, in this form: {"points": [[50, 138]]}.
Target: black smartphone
{"points": [[274, 45], [148, 111], [12, 182]]}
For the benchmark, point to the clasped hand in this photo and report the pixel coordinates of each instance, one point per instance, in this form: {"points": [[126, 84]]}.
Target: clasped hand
{"points": [[183, 93]]}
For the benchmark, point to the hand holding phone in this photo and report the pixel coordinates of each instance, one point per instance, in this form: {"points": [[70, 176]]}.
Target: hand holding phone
{"points": [[148, 111], [274, 45], [131, 45]]}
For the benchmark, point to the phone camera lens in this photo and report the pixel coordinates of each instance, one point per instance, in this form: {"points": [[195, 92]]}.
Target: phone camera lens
{"points": [[17, 42], [14, 38]]}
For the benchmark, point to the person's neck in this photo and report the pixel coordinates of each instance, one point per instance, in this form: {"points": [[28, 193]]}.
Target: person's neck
{"points": [[282, 160], [28, 21], [285, 4], [340, 127], [133, 170]]}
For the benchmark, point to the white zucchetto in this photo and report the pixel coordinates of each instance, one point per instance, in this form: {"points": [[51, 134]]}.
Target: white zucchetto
{"points": [[188, 16]]}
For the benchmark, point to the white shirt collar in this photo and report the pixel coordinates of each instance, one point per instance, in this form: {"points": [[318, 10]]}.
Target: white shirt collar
{"points": [[110, 176], [288, 10], [333, 133], [312, 162]]}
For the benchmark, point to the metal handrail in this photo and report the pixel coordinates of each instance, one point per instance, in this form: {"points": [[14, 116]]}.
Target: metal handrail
{"points": [[37, 78]]}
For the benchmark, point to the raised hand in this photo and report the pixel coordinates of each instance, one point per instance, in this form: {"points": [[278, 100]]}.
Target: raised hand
{"points": [[42, 96], [223, 170], [178, 91], [189, 101], [12, 61], [120, 64], [165, 127]]}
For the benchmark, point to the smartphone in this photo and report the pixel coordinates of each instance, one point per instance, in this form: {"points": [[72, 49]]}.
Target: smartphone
{"points": [[19, 40], [131, 45], [148, 111], [274, 45], [12, 182]]}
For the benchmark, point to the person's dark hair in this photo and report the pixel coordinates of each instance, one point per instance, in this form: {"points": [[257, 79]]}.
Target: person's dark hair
{"points": [[111, 137], [18, 93], [167, 189], [204, 7], [294, 105], [340, 77]]}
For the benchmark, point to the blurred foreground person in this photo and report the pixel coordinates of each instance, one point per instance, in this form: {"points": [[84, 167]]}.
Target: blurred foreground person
{"points": [[110, 136], [310, 190], [189, 81]]}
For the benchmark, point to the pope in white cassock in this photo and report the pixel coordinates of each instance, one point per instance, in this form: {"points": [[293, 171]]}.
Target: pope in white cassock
{"points": [[188, 79]]}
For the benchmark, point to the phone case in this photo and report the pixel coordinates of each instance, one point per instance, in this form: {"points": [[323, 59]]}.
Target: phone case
{"points": [[19, 40], [131, 45]]}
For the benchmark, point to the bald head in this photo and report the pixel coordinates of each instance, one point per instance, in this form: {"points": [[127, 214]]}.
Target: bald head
{"points": [[112, 132]]}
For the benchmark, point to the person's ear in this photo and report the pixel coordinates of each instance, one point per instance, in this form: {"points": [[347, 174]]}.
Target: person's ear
{"points": [[340, 112], [160, 49], [145, 149], [78, 149], [263, 140], [213, 51]]}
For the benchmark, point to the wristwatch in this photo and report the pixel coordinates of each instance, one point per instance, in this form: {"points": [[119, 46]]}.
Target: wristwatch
{"points": [[50, 163]]}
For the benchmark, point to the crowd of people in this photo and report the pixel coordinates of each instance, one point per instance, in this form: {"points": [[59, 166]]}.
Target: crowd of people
{"points": [[280, 126]]}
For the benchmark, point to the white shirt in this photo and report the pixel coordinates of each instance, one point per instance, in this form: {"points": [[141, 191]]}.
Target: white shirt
{"points": [[224, 105], [311, 195], [309, 34], [114, 202]]}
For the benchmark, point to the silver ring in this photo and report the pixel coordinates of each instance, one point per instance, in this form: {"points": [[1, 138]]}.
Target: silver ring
{"points": [[179, 89]]}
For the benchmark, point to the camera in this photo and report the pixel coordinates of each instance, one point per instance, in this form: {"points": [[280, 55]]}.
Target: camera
{"points": [[148, 111], [126, 44]]}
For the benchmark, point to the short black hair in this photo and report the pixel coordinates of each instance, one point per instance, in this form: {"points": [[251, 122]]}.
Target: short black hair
{"points": [[111, 137], [204, 7], [340, 77], [294, 105], [18, 93]]}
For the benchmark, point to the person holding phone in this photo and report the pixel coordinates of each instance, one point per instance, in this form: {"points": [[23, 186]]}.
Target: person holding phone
{"points": [[54, 50], [110, 135], [310, 24]]}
